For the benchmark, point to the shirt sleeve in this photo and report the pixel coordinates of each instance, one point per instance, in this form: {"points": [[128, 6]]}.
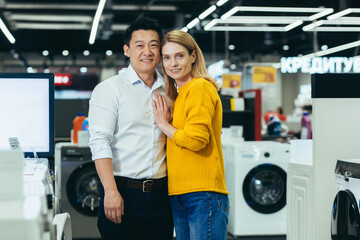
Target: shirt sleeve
{"points": [[102, 120], [199, 109]]}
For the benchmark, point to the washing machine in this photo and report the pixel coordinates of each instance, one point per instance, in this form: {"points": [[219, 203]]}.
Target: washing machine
{"points": [[345, 217], [80, 190], [256, 175]]}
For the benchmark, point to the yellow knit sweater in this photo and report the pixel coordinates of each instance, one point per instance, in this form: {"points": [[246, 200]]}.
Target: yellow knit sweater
{"points": [[194, 158]]}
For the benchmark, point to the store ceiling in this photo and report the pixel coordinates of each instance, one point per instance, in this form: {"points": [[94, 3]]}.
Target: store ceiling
{"points": [[56, 25]]}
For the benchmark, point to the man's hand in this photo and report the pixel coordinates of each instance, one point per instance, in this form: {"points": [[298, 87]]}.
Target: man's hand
{"points": [[113, 206]]}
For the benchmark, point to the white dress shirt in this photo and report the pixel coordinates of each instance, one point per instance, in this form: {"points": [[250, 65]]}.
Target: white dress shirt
{"points": [[122, 127]]}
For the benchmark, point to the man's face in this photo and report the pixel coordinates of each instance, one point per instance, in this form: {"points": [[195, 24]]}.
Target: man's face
{"points": [[144, 51]]}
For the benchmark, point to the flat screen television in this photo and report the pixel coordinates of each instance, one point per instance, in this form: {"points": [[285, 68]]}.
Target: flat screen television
{"points": [[27, 112]]}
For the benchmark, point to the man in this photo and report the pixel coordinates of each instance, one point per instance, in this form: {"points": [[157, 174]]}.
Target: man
{"points": [[127, 147]]}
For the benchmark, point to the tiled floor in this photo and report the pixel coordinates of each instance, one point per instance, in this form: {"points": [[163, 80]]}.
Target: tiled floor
{"points": [[257, 238], [236, 238]]}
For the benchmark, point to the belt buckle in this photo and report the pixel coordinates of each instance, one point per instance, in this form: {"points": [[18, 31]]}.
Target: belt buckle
{"points": [[144, 185]]}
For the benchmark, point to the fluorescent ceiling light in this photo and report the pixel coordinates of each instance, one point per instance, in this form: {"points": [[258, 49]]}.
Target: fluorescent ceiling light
{"points": [[252, 27], [52, 26], [127, 7], [320, 14], [327, 52], [221, 2], [260, 19], [275, 9], [339, 14], [312, 25], [96, 21], [338, 29], [184, 29], [207, 12], [247, 29], [119, 27], [210, 24], [334, 49], [6, 32], [193, 23], [293, 25], [50, 18], [343, 21], [229, 13]]}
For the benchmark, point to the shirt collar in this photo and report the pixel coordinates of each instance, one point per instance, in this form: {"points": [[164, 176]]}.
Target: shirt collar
{"points": [[134, 78]]}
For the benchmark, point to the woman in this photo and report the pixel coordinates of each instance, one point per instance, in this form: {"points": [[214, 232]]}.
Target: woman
{"points": [[196, 176]]}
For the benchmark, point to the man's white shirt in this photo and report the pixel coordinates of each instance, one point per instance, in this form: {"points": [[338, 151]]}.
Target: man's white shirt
{"points": [[122, 126]]}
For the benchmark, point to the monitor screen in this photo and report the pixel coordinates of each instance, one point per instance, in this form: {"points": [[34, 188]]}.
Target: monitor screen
{"points": [[27, 112]]}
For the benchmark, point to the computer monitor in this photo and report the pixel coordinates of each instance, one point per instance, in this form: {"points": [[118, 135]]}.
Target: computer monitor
{"points": [[27, 112]]}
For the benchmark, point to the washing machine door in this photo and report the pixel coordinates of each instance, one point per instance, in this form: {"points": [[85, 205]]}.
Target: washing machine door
{"points": [[83, 189], [345, 217], [264, 188]]}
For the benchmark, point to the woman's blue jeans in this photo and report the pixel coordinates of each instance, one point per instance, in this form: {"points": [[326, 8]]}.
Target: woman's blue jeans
{"points": [[200, 215]]}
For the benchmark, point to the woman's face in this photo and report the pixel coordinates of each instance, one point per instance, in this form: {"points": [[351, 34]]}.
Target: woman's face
{"points": [[177, 62]]}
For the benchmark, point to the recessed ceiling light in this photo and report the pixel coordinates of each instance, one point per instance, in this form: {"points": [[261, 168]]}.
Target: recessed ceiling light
{"points": [[231, 47], [30, 70], [233, 66], [46, 70], [65, 52], [86, 53], [286, 47], [45, 53], [83, 70], [324, 47], [109, 53]]}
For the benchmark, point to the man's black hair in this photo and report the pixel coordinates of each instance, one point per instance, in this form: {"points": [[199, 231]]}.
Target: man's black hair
{"points": [[143, 23]]}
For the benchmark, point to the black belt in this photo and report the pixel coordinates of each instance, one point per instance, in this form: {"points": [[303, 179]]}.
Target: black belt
{"points": [[145, 185]]}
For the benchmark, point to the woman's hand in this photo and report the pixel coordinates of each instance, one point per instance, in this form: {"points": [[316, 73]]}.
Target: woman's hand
{"points": [[163, 115]]}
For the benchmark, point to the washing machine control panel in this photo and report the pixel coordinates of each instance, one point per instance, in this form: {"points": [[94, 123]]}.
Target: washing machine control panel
{"points": [[75, 153]]}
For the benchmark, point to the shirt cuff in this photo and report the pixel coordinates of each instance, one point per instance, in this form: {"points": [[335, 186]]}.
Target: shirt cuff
{"points": [[103, 153]]}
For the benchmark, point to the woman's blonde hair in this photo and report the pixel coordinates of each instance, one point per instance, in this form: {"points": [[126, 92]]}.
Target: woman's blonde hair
{"points": [[198, 69]]}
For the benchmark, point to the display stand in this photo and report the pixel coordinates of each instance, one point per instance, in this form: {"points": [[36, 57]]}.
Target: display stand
{"points": [[250, 118]]}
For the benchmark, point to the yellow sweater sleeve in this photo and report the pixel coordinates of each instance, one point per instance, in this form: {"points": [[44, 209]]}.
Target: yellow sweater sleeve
{"points": [[199, 110]]}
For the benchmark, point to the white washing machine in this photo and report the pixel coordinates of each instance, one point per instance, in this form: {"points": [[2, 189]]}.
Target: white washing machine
{"points": [[345, 217], [256, 175], [80, 189]]}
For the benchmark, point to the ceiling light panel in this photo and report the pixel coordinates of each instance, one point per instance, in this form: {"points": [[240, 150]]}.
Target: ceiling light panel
{"points": [[295, 17], [50, 18], [51, 26], [337, 22], [6, 32], [343, 13]]}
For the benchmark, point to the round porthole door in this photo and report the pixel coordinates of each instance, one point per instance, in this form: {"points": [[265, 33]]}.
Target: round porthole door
{"points": [[345, 217], [83, 189], [264, 188]]}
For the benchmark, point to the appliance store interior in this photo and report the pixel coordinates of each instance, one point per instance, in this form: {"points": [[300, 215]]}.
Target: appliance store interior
{"points": [[289, 76]]}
